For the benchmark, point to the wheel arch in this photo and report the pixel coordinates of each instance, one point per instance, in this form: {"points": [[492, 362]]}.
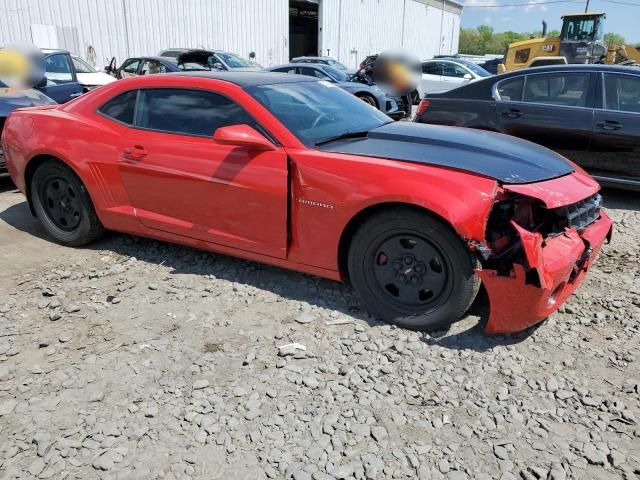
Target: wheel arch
{"points": [[363, 93], [32, 165], [370, 211]]}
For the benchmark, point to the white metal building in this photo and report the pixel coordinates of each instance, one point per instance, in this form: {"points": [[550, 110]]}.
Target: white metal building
{"points": [[275, 30]]}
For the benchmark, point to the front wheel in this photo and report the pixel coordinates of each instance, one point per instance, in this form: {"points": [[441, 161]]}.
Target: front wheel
{"points": [[412, 270], [63, 206], [368, 99]]}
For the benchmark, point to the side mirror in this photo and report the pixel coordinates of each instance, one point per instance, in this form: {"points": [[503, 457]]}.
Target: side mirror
{"points": [[468, 76], [218, 66], [242, 136], [42, 83]]}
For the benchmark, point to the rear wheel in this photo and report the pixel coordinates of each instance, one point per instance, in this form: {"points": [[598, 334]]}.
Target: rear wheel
{"points": [[62, 204], [412, 270]]}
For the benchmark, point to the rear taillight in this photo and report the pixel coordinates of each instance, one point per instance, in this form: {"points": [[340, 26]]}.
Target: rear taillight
{"points": [[422, 106]]}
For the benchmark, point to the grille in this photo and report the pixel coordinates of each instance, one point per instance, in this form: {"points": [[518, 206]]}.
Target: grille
{"points": [[579, 215]]}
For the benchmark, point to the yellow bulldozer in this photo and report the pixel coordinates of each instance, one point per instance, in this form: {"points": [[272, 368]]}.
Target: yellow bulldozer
{"points": [[581, 40]]}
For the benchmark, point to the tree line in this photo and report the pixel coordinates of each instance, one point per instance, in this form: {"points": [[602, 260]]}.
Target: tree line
{"points": [[483, 40]]}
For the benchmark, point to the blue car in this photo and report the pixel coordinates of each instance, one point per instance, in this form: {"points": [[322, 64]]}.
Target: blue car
{"points": [[11, 98], [60, 81]]}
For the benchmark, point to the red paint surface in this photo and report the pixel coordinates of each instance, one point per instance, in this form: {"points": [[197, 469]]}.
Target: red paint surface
{"points": [[514, 305], [288, 206]]}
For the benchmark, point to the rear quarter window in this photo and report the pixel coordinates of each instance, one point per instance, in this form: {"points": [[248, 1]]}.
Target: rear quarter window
{"points": [[121, 108]]}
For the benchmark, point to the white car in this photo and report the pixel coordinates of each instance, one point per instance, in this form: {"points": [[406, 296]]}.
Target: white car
{"points": [[442, 74], [88, 76]]}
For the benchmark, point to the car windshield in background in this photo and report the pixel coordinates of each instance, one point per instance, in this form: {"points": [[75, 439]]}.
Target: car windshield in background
{"points": [[82, 66], [477, 69], [336, 74], [234, 61], [336, 64], [317, 111], [193, 66]]}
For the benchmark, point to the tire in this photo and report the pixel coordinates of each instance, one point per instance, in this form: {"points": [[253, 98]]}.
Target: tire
{"points": [[366, 98], [412, 270], [63, 205]]}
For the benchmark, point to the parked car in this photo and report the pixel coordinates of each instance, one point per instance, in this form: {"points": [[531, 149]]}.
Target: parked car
{"points": [[326, 61], [218, 59], [589, 113], [444, 74], [295, 172], [370, 94], [60, 80], [187, 61], [12, 98], [88, 76]]}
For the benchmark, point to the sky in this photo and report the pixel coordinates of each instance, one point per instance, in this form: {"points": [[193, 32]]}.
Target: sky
{"points": [[623, 16]]}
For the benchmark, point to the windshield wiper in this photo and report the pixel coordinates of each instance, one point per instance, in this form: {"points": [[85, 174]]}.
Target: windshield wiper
{"points": [[342, 136]]}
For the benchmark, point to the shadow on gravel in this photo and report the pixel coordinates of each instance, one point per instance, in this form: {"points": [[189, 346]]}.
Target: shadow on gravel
{"points": [[622, 199], [284, 283]]}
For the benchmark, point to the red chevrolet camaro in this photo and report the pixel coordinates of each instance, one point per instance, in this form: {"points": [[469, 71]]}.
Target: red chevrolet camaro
{"points": [[294, 172]]}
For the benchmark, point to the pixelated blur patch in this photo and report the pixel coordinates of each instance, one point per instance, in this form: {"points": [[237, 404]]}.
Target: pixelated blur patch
{"points": [[21, 66], [397, 72]]}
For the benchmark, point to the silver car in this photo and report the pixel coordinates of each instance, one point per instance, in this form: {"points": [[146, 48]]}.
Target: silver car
{"points": [[370, 94], [443, 74]]}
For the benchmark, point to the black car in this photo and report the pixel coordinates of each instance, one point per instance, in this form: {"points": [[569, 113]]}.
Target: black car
{"points": [[588, 113], [194, 60]]}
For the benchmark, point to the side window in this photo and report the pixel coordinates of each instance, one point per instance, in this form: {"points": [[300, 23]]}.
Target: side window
{"points": [[285, 70], [313, 72], [453, 70], [131, 68], [622, 92], [433, 68], [121, 108], [150, 67], [511, 90], [191, 112], [570, 89], [57, 69]]}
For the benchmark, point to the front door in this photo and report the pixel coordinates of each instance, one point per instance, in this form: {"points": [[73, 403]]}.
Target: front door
{"points": [[615, 149], [181, 181], [431, 78], [61, 82], [554, 110]]}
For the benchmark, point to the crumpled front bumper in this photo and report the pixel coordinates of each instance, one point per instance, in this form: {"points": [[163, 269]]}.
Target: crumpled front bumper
{"points": [[560, 262]]}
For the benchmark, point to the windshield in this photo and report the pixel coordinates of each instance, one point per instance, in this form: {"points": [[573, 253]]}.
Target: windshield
{"points": [[336, 64], [475, 68], [232, 60], [336, 74], [579, 28], [317, 111], [82, 66]]}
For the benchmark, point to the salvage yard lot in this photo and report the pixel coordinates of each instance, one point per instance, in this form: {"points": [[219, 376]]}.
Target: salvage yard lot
{"points": [[137, 359]]}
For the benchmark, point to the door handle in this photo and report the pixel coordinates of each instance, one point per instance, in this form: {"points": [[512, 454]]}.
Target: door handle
{"points": [[512, 113], [134, 153], [609, 125]]}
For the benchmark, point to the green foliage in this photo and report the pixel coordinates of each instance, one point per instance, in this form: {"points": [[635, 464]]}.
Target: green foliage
{"points": [[483, 40], [613, 39]]}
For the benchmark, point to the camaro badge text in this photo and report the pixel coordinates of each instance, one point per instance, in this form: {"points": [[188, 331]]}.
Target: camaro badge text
{"points": [[313, 203]]}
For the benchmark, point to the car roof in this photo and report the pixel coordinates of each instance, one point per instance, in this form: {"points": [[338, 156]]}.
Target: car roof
{"points": [[297, 65], [53, 50], [575, 68], [248, 79], [309, 57]]}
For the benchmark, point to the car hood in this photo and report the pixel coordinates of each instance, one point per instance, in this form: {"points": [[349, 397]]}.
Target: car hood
{"points": [[11, 98], [506, 159]]}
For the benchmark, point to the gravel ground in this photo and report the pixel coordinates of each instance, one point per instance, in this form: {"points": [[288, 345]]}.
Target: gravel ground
{"points": [[136, 359]]}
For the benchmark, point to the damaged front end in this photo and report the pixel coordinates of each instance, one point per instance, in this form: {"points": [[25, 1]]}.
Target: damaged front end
{"points": [[539, 245]]}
